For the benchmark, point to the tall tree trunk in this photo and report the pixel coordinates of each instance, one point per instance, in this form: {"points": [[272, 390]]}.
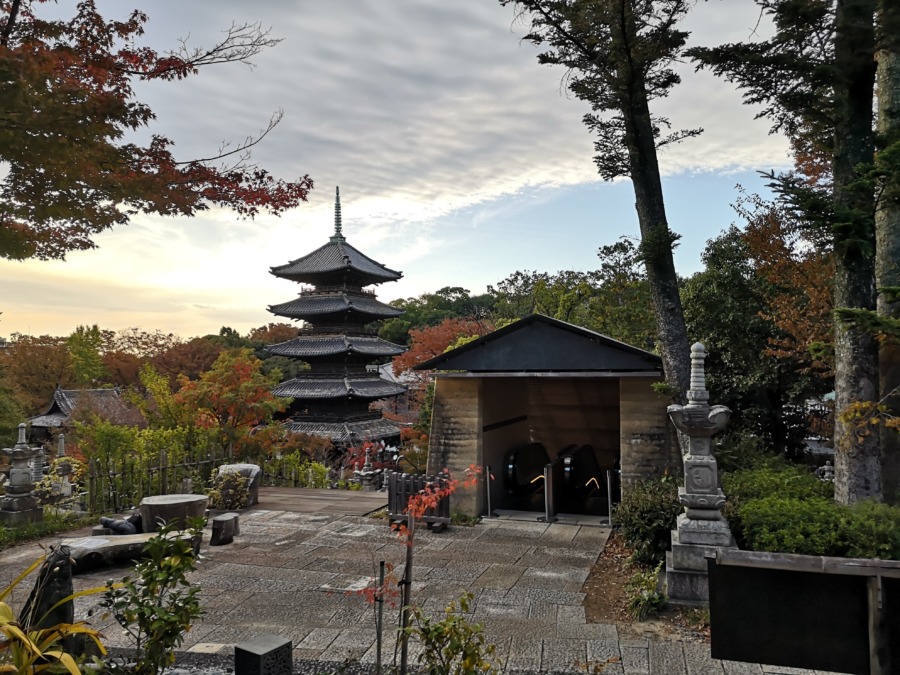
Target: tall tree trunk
{"points": [[656, 239], [857, 452], [887, 235]]}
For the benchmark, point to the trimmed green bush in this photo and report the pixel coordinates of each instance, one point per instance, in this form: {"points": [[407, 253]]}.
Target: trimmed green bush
{"points": [[782, 479], [806, 526], [872, 530], [783, 508], [647, 515]]}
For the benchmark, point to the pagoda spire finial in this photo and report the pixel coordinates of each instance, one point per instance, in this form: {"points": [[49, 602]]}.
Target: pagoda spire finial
{"points": [[338, 234]]}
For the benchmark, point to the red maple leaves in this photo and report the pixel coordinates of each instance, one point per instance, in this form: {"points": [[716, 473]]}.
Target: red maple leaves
{"points": [[68, 104]]}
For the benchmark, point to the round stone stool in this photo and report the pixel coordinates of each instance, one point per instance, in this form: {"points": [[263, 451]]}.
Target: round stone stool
{"points": [[171, 509]]}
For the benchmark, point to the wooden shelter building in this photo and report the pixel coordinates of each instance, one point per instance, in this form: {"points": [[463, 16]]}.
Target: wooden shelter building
{"points": [[547, 382], [338, 339]]}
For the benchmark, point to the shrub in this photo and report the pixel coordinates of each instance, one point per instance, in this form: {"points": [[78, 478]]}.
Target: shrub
{"points": [[779, 478], [789, 525], [229, 491], [647, 515], [453, 645], [38, 647], [644, 597], [158, 605], [872, 530]]}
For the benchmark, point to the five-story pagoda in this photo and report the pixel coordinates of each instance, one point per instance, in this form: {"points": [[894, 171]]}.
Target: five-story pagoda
{"points": [[338, 341]]}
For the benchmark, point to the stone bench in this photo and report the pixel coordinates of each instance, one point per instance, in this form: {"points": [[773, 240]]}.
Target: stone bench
{"points": [[89, 553], [224, 529]]}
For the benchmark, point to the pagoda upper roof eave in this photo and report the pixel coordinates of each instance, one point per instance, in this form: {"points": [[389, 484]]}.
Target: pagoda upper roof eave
{"points": [[335, 257]]}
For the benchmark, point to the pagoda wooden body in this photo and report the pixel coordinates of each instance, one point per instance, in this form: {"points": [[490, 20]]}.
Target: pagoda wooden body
{"points": [[339, 340]]}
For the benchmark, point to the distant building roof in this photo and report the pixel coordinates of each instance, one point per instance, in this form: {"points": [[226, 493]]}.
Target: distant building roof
{"points": [[108, 404], [346, 433], [539, 343]]}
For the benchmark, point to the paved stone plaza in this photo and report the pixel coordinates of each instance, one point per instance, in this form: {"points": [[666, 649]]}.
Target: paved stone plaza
{"points": [[295, 575]]}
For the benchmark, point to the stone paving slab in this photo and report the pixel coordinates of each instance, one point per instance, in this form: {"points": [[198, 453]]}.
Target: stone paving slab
{"points": [[300, 576]]}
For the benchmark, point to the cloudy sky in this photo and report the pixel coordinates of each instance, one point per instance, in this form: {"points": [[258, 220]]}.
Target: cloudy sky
{"points": [[460, 161]]}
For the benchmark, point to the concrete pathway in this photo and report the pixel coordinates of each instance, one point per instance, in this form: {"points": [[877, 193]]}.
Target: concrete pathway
{"points": [[299, 575]]}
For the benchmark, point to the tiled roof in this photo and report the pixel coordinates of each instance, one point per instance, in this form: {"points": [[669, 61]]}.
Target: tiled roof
{"points": [[306, 346], [334, 256], [108, 404], [324, 388], [308, 305], [346, 432]]}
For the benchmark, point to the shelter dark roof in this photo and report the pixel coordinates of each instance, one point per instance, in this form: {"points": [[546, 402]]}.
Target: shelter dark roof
{"points": [[308, 305], [538, 343], [335, 256], [347, 432], [372, 387], [307, 346], [108, 404]]}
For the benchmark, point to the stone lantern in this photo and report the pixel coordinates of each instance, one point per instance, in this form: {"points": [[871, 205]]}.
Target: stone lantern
{"points": [[18, 506], [702, 529]]}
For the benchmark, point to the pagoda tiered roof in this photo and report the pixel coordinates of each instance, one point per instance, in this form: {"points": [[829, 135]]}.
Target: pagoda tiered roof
{"points": [[306, 346], [351, 386], [336, 259], [346, 433], [332, 258], [312, 304]]}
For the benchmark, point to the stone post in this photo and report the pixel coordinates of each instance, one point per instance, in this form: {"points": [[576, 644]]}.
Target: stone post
{"points": [[38, 461], [702, 529], [18, 505]]}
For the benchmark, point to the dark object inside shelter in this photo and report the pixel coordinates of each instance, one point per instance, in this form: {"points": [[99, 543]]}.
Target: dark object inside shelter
{"points": [[339, 340]]}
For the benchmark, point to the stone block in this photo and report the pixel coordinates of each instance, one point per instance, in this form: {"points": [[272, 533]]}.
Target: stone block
{"points": [[22, 517], [686, 587], [264, 655], [171, 509], [100, 531], [714, 532], [224, 528], [690, 556]]}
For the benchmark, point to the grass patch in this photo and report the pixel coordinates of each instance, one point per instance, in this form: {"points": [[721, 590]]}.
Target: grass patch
{"points": [[54, 522]]}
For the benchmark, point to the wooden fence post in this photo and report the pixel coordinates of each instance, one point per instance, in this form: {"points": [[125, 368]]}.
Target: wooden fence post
{"points": [[163, 473], [92, 485]]}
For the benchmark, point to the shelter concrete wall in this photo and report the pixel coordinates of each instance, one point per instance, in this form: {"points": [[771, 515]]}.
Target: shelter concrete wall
{"points": [[455, 440], [646, 439]]}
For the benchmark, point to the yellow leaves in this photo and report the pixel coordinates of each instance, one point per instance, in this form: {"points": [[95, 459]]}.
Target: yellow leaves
{"points": [[864, 417]]}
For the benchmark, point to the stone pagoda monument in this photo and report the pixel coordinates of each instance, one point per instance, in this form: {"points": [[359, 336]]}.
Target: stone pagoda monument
{"points": [[338, 340], [702, 529]]}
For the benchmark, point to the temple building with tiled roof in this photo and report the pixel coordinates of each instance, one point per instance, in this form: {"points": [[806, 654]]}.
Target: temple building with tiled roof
{"points": [[338, 340]]}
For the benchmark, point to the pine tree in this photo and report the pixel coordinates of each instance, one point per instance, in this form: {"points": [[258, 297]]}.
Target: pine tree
{"points": [[618, 54]]}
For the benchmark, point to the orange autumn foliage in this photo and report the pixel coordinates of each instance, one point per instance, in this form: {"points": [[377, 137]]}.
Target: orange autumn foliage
{"points": [[800, 303]]}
